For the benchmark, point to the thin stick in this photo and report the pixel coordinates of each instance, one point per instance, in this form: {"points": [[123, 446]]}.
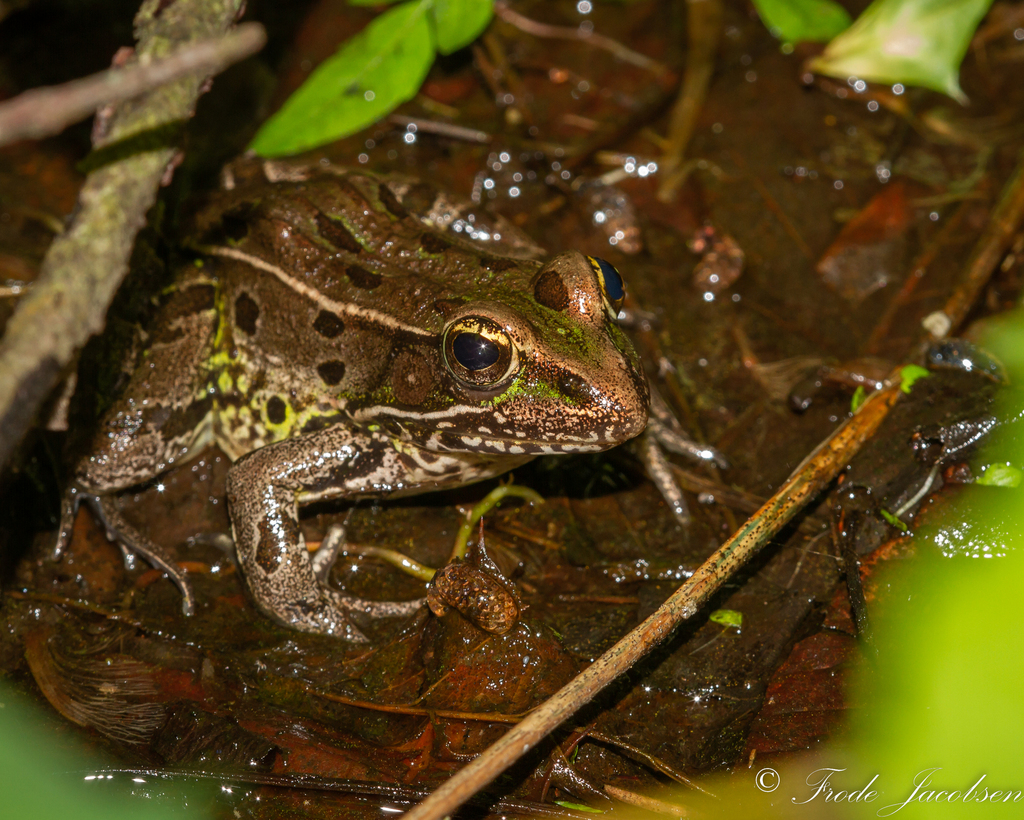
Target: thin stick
{"points": [[537, 29], [303, 780], [42, 112], [649, 803], [419, 711], [444, 129], [808, 481], [776, 209]]}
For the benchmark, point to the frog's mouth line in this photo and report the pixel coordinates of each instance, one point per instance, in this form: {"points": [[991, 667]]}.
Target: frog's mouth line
{"points": [[444, 433]]}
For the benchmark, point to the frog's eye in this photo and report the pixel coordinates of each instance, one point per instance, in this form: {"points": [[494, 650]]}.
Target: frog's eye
{"points": [[478, 352], [611, 284]]}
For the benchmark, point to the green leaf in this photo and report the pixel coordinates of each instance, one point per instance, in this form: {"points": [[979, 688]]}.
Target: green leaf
{"points": [[378, 69], [910, 374], [795, 21], [727, 617], [892, 519], [565, 804], [371, 2], [1000, 475], [457, 23], [914, 42], [858, 398]]}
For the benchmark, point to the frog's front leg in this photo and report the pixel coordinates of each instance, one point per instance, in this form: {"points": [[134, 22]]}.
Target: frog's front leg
{"points": [[265, 489]]}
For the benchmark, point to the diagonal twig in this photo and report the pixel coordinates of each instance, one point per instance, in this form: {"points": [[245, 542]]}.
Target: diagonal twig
{"points": [[809, 479], [85, 265], [43, 112]]}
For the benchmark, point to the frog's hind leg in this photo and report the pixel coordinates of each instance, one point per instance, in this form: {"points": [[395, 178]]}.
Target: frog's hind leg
{"points": [[164, 416], [265, 489]]}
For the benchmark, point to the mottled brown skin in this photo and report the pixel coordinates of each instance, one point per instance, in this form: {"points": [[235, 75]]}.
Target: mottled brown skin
{"points": [[316, 347]]}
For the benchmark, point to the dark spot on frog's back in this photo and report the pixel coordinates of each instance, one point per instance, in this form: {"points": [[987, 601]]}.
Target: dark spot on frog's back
{"points": [[362, 278], [550, 291], [432, 243], [277, 410], [328, 325], [390, 201], [246, 314], [446, 307], [335, 232], [331, 372]]}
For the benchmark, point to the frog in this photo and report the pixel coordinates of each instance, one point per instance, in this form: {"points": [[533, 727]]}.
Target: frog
{"points": [[336, 342]]}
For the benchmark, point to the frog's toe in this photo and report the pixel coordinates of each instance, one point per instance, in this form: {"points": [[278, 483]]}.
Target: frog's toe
{"points": [[377, 609], [133, 542], [68, 510], [130, 540]]}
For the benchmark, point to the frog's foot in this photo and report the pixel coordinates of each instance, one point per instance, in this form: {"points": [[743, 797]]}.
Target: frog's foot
{"points": [[130, 540], [666, 429], [323, 560], [330, 612], [665, 433], [659, 471], [324, 614]]}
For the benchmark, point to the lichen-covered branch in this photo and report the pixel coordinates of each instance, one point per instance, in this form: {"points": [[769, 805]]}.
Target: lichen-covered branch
{"points": [[85, 265], [43, 112]]}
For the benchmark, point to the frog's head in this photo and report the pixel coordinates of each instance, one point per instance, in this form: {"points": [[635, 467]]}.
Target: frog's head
{"points": [[550, 364]]}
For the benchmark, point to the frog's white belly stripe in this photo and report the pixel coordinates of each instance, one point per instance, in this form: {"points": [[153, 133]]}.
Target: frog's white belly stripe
{"points": [[316, 296]]}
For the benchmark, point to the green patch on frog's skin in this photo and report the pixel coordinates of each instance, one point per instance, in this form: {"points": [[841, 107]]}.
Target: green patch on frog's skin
{"points": [[529, 389]]}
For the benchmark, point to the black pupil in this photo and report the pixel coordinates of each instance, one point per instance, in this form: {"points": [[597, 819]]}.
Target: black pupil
{"points": [[612, 281], [475, 352]]}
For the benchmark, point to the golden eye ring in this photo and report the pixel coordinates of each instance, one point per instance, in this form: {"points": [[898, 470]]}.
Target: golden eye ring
{"points": [[613, 289], [478, 352]]}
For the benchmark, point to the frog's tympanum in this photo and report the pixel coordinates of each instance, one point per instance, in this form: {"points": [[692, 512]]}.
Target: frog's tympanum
{"points": [[336, 345]]}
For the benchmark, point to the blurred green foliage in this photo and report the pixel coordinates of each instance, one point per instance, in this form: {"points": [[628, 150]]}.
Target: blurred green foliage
{"points": [[50, 775], [803, 21], [371, 74], [911, 42]]}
